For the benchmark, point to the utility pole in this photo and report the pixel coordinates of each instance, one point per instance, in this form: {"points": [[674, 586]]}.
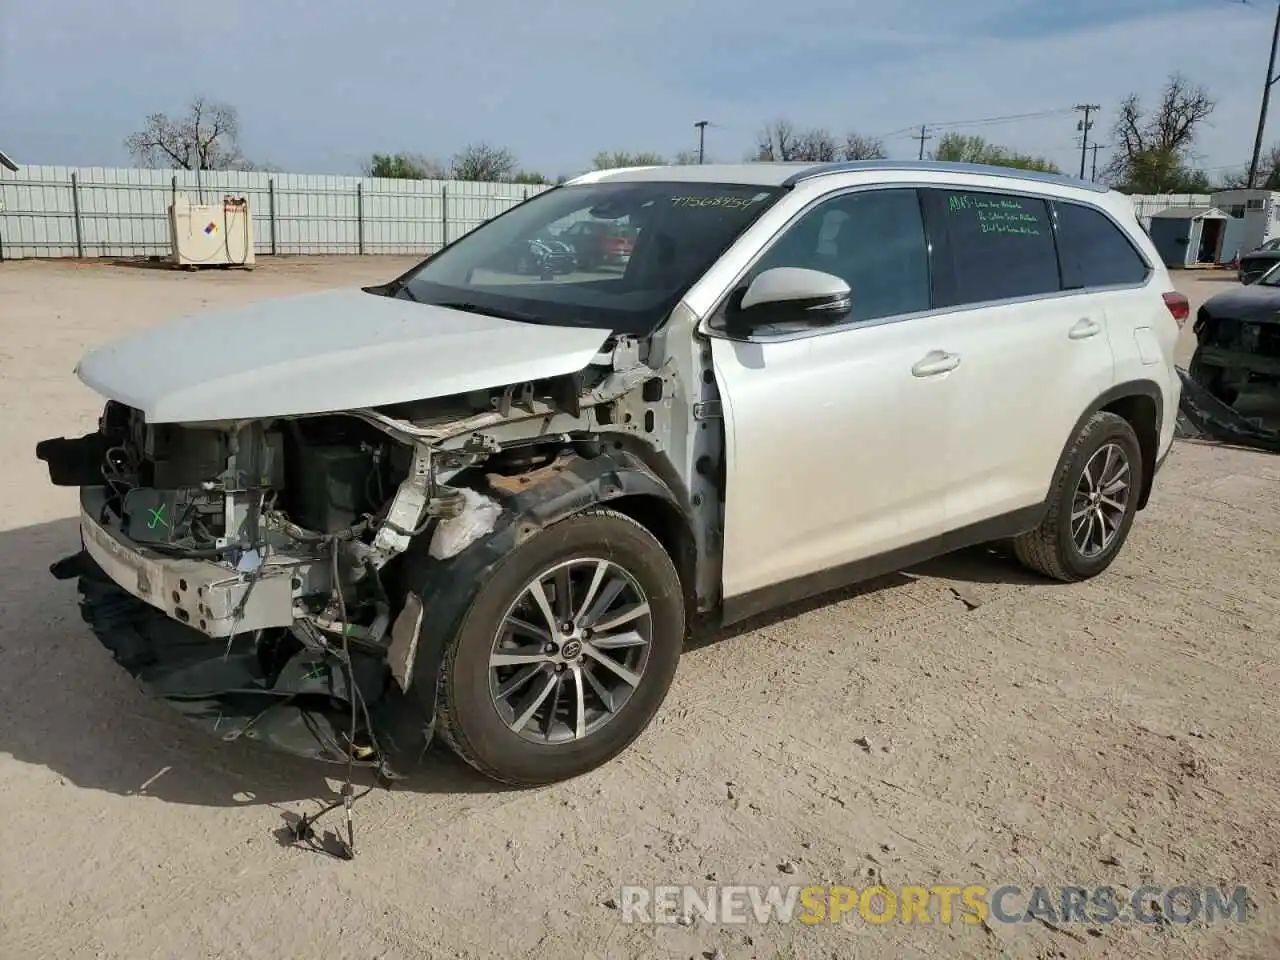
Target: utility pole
{"points": [[702, 138], [1095, 147], [1084, 126], [1266, 102], [922, 136]]}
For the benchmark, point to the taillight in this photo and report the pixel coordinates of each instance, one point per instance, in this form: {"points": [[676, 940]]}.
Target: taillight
{"points": [[1178, 305]]}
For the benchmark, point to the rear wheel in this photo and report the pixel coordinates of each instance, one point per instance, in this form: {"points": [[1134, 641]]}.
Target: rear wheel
{"points": [[1092, 505], [566, 653]]}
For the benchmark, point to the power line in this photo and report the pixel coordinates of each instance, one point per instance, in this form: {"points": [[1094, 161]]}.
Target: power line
{"points": [[979, 121]]}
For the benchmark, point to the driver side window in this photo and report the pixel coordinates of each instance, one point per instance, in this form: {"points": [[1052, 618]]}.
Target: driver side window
{"points": [[874, 240]]}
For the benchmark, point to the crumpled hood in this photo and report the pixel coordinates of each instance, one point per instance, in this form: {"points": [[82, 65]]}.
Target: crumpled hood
{"points": [[1247, 303], [325, 352]]}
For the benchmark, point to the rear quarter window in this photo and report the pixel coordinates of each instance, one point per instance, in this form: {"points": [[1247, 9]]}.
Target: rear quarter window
{"points": [[1095, 251]]}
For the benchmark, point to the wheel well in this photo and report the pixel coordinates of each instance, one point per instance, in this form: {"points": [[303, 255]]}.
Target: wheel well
{"points": [[663, 519], [1143, 415]]}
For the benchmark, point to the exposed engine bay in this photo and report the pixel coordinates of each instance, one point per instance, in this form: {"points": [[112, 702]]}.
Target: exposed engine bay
{"points": [[271, 578]]}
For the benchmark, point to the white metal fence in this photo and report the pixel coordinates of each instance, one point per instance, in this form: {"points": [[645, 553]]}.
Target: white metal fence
{"points": [[49, 211], [1149, 205]]}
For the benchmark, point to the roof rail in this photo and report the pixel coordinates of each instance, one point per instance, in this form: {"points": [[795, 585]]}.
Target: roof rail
{"points": [[942, 166]]}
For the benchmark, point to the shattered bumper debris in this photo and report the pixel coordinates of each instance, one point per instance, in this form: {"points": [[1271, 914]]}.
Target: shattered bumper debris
{"points": [[1201, 415]]}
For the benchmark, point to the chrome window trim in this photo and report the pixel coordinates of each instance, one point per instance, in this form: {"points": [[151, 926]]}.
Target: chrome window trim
{"points": [[706, 329]]}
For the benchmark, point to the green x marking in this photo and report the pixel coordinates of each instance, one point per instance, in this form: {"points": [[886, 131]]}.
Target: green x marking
{"points": [[157, 518]]}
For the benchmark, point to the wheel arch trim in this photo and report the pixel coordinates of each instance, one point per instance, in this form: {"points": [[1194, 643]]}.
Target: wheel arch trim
{"points": [[445, 589], [1129, 390]]}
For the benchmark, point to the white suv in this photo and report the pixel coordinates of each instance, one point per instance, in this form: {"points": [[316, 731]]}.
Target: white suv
{"points": [[489, 503]]}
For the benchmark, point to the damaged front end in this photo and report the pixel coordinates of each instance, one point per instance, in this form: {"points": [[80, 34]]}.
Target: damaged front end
{"points": [[275, 579], [1231, 390]]}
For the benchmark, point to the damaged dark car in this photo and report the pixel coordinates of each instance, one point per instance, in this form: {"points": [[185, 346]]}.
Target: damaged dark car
{"points": [[1233, 393]]}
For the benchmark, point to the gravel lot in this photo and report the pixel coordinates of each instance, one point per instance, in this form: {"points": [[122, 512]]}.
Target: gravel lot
{"points": [[962, 722]]}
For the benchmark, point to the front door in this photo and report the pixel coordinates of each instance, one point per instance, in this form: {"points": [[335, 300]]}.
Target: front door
{"points": [[836, 436]]}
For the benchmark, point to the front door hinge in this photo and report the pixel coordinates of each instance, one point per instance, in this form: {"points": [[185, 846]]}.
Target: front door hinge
{"points": [[707, 410]]}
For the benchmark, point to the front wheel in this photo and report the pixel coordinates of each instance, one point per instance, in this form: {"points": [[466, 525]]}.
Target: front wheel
{"points": [[566, 653], [1092, 504]]}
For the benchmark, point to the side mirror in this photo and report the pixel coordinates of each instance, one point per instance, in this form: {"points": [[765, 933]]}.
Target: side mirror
{"points": [[791, 295]]}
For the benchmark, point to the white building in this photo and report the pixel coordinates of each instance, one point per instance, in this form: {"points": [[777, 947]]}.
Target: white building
{"points": [[1253, 219]]}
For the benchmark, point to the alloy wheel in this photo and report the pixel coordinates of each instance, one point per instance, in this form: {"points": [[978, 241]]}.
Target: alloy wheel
{"points": [[570, 651], [1101, 500]]}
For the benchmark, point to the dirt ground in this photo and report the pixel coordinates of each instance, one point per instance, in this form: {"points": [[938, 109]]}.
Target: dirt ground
{"points": [[962, 722]]}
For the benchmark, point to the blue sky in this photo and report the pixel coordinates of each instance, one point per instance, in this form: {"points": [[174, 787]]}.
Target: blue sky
{"points": [[322, 84]]}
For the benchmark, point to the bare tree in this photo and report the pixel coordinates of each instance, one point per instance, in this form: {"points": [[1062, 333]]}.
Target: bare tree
{"points": [[483, 162], [687, 157], [1153, 149], [613, 159], [779, 140], [1268, 172], [858, 147], [776, 141], [817, 145], [206, 137]]}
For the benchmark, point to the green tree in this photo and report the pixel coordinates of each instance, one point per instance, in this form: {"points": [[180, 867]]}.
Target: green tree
{"points": [[1153, 149], [403, 166], [961, 148], [530, 177]]}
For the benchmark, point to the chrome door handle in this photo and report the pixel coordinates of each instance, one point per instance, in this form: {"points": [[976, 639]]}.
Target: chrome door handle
{"points": [[935, 362], [1084, 329]]}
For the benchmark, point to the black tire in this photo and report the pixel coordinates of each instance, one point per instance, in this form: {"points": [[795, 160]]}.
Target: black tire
{"points": [[1050, 548], [466, 715]]}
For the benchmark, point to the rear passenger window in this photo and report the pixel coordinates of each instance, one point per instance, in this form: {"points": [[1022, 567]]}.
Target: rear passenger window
{"points": [[1001, 246], [1095, 252]]}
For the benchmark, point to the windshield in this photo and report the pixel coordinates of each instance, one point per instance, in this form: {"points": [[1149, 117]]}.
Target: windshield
{"points": [[614, 256]]}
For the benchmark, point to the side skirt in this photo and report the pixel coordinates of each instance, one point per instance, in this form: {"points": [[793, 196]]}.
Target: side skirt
{"points": [[739, 608]]}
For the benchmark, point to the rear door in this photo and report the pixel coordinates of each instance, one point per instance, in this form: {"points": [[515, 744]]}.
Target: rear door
{"points": [[1033, 356], [1099, 256]]}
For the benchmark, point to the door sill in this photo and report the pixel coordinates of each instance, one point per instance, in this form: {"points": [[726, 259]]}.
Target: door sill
{"points": [[736, 609]]}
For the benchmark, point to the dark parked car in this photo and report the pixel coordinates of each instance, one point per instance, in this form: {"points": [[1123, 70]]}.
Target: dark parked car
{"points": [[1238, 338], [1257, 262]]}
